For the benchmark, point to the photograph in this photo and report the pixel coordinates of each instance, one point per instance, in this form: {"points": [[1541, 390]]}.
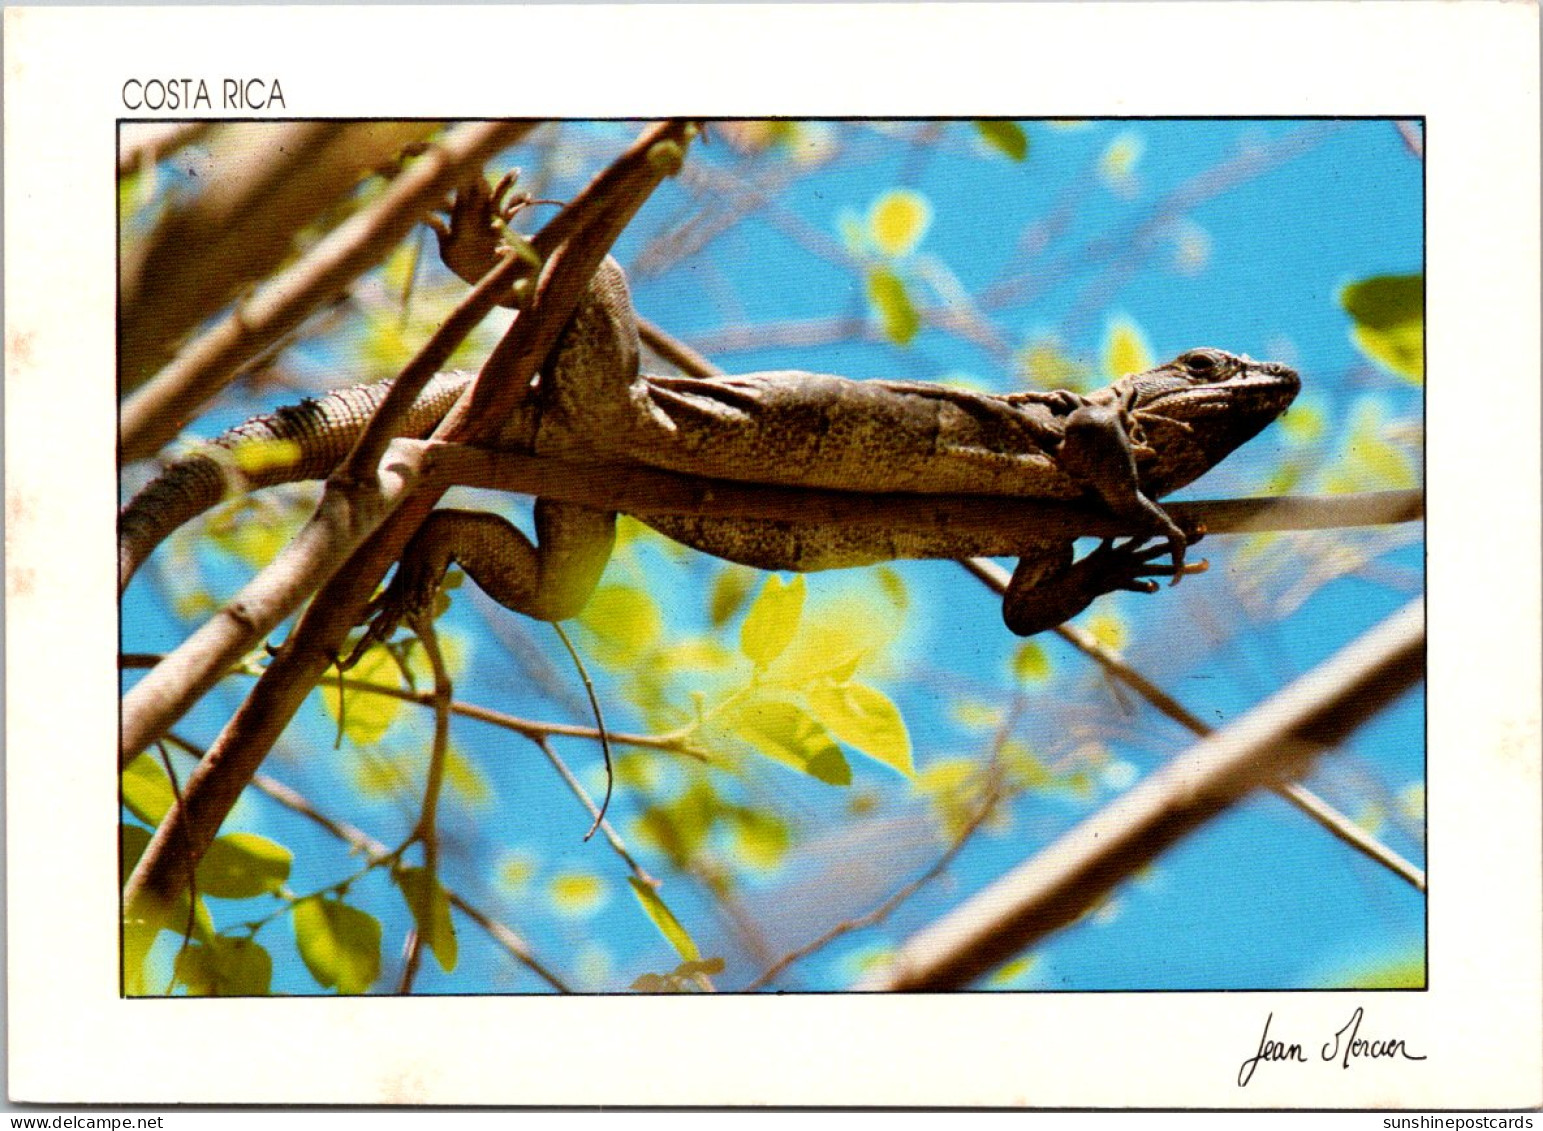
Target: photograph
{"points": [[830, 628]]}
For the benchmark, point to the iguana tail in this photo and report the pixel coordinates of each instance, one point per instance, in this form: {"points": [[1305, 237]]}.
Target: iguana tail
{"points": [[303, 441]]}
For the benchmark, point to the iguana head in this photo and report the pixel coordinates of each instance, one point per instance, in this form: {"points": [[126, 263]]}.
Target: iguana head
{"points": [[1185, 417]]}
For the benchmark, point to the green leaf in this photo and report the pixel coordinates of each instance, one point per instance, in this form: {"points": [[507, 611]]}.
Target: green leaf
{"points": [[897, 314], [1006, 137], [431, 914], [339, 944], [866, 720], [761, 838], [690, 969], [242, 865], [225, 967], [788, 734], [132, 841], [730, 588], [254, 456], [1389, 313], [1394, 971], [366, 716], [665, 920], [772, 620], [625, 622], [146, 791], [1030, 664]]}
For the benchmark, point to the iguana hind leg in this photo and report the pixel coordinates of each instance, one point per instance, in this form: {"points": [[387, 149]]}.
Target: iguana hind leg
{"points": [[551, 580]]}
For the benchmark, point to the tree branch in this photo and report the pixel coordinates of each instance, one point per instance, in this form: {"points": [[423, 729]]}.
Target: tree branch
{"points": [[1274, 741], [1295, 793], [586, 229], [986, 519], [151, 416], [373, 850], [351, 507]]}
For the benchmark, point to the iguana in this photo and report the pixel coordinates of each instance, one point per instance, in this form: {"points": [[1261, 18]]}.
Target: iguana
{"points": [[1124, 446]]}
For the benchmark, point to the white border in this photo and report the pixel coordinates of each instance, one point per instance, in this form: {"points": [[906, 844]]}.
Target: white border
{"points": [[1470, 68]]}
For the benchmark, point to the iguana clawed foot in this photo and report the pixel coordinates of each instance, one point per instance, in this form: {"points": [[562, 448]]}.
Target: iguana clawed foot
{"points": [[1127, 565], [409, 597], [1041, 598], [469, 243]]}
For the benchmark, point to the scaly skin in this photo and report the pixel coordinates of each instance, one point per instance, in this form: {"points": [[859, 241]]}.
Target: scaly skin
{"points": [[303, 441]]}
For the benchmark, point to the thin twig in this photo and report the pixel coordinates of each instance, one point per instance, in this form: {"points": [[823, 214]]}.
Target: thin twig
{"points": [[1057, 886], [1294, 793], [426, 831], [150, 417], [377, 853], [884, 910], [578, 790]]}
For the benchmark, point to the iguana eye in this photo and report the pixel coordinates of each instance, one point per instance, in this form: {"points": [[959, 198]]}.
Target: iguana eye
{"points": [[1203, 364]]}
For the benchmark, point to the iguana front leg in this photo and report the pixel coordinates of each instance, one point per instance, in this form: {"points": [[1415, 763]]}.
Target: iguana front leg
{"points": [[1048, 588]]}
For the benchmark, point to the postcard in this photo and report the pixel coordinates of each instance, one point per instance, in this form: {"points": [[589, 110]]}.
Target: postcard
{"points": [[885, 568]]}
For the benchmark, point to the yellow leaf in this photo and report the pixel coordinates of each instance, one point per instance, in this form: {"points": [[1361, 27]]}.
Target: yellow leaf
{"points": [[625, 622], [1304, 422], [576, 895], [1125, 349], [730, 588], [898, 220], [976, 714], [945, 776], [772, 620], [339, 944], [1045, 364], [366, 715], [515, 871], [1370, 461], [866, 720], [1005, 137]]}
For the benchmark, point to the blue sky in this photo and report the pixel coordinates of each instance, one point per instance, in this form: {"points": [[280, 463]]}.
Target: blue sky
{"points": [[1155, 236]]}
